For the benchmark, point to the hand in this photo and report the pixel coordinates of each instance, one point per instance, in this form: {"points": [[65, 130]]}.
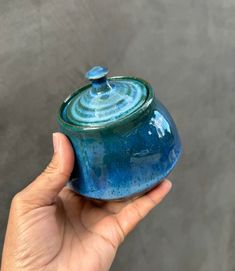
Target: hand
{"points": [[52, 228]]}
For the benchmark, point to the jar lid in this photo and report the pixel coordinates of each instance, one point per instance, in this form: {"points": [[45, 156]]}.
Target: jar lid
{"points": [[105, 100]]}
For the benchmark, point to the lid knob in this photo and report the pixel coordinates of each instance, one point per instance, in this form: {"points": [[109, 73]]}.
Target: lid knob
{"points": [[97, 76]]}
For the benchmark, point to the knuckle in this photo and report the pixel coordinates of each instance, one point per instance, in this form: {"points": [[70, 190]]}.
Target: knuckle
{"points": [[17, 198], [119, 230], [21, 203], [136, 211], [18, 201], [52, 167], [153, 202]]}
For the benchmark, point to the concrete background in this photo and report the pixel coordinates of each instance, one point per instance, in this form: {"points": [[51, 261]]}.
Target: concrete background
{"points": [[186, 50]]}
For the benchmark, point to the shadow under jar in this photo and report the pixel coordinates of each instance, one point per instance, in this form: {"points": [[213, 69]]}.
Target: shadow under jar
{"points": [[125, 141]]}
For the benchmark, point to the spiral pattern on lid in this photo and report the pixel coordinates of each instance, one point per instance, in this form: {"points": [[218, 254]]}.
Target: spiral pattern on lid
{"points": [[122, 98]]}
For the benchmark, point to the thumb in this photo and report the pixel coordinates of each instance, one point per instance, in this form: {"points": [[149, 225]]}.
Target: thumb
{"points": [[44, 189]]}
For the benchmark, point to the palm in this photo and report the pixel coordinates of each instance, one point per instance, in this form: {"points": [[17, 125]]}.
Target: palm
{"points": [[77, 234], [90, 233]]}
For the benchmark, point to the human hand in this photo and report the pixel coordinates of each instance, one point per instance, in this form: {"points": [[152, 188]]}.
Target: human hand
{"points": [[51, 228]]}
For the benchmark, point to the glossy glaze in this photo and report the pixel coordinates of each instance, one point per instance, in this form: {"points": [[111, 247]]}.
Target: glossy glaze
{"points": [[123, 152], [105, 101], [125, 160]]}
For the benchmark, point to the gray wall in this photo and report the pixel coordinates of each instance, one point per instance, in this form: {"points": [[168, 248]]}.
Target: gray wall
{"points": [[186, 50]]}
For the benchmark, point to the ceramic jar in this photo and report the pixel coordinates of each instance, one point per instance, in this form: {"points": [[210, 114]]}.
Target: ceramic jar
{"points": [[125, 141]]}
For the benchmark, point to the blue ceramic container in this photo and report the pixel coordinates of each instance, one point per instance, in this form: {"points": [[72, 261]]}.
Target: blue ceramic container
{"points": [[124, 139]]}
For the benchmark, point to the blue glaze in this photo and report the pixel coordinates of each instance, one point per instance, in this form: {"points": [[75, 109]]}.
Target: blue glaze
{"points": [[105, 101], [96, 72], [125, 157], [127, 161]]}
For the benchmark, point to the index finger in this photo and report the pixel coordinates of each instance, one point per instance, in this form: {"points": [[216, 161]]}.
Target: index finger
{"points": [[135, 211]]}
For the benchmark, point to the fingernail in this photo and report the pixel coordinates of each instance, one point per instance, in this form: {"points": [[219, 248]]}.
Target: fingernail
{"points": [[168, 184], [55, 142]]}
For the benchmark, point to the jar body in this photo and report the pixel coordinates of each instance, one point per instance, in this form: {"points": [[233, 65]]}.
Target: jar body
{"points": [[125, 160]]}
